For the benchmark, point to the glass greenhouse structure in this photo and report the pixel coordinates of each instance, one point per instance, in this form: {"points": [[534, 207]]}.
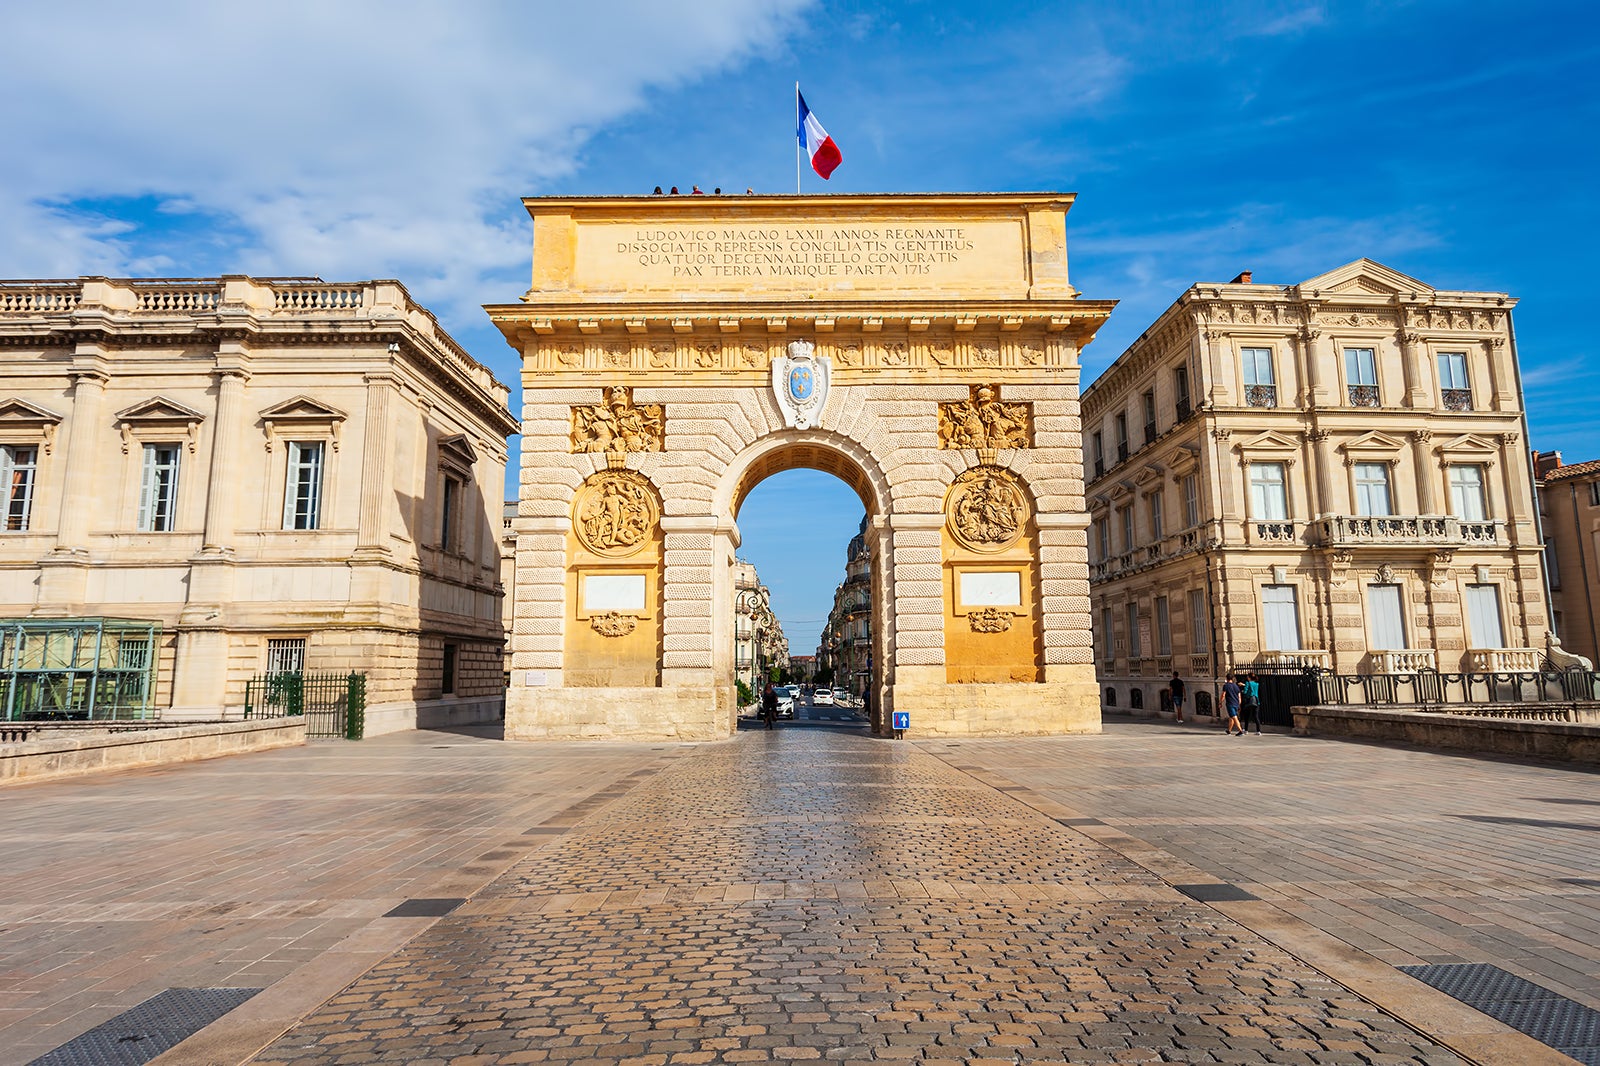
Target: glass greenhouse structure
{"points": [[87, 669]]}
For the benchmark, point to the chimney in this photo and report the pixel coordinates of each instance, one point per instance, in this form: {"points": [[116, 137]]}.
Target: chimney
{"points": [[1545, 464], [1242, 279]]}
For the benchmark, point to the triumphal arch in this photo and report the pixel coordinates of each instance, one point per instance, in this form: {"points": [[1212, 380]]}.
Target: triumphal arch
{"points": [[678, 350]]}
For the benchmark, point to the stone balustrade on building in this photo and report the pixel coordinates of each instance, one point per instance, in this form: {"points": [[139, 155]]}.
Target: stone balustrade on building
{"points": [[1391, 530], [1404, 660], [1504, 660]]}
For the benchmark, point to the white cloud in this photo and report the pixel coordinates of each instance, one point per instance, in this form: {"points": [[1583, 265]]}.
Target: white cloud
{"points": [[350, 139]]}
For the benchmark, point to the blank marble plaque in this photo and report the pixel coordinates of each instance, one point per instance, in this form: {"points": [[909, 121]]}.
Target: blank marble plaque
{"points": [[613, 592], [990, 588]]}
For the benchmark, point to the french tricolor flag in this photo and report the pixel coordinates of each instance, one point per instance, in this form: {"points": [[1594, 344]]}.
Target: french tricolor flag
{"points": [[819, 147]]}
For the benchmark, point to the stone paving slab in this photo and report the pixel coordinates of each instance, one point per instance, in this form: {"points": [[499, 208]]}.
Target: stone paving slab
{"points": [[663, 930], [245, 871], [1412, 856]]}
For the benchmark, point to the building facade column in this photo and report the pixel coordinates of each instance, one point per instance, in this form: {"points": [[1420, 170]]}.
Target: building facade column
{"points": [[220, 494], [1321, 481], [1411, 366], [372, 533], [1422, 470], [88, 395]]}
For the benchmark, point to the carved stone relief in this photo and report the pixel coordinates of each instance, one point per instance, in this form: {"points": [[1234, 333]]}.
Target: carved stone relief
{"points": [[613, 624], [986, 510], [983, 421], [989, 620], [618, 425], [615, 512]]}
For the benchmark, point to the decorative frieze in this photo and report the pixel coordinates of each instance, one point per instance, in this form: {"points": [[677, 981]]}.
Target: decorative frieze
{"points": [[989, 620], [613, 624]]}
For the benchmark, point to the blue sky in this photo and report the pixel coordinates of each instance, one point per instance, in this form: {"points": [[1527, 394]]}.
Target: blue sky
{"points": [[1455, 142]]}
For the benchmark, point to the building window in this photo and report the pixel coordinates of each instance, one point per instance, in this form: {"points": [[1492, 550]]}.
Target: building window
{"points": [[1128, 536], [158, 488], [1097, 448], [1386, 629], [286, 655], [302, 493], [1466, 493], [1199, 623], [1106, 641], [449, 518], [1594, 494], [1453, 388], [1280, 618], [447, 678], [1135, 651], [1180, 385], [1552, 564], [1372, 489], [1260, 387], [1268, 497], [1483, 617], [1163, 627], [1361, 376], [1157, 518], [1191, 501], [17, 468], [1122, 435], [1102, 533], [1149, 416]]}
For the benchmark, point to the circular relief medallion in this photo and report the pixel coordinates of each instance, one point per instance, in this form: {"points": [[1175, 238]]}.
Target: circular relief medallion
{"points": [[986, 510], [615, 512]]}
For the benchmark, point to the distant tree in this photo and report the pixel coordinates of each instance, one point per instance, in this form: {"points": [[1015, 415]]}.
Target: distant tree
{"points": [[746, 697]]}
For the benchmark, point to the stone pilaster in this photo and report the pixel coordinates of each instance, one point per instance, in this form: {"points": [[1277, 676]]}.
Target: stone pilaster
{"points": [[88, 394], [372, 533], [221, 490], [1424, 469]]}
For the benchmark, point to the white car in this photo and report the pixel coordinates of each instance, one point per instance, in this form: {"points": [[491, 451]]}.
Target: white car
{"points": [[785, 704], [841, 697], [822, 698]]}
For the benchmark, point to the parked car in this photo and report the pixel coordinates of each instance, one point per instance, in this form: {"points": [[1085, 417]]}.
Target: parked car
{"points": [[842, 697]]}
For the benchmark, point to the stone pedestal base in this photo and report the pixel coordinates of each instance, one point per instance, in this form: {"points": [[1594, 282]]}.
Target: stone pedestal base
{"points": [[680, 713]]}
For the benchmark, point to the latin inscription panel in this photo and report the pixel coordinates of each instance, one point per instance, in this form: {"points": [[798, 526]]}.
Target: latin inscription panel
{"points": [[750, 256]]}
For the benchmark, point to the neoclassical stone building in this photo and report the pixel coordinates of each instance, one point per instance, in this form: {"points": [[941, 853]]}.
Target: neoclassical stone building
{"points": [[1330, 473], [1569, 499], [285, 474], [846, 647], [758, 640]]}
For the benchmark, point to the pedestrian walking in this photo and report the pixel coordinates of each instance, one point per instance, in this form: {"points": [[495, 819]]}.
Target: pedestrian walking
{"points": [[1175, 690], [769, 706], [1231, 694], [1250, 703]]}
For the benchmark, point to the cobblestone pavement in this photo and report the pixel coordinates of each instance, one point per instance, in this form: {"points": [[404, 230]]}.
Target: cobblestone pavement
{"points": [[808, 895], [260, 870], [1410, 856]]}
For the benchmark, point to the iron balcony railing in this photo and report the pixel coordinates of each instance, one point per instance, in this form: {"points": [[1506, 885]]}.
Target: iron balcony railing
{"points": [[1261, 395]]}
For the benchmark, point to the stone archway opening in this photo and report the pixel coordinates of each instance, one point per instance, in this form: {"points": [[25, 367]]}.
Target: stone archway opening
{"points": [[804, 514]]}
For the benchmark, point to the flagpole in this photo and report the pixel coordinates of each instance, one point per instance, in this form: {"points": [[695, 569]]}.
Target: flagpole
{"points": [[797, 138]]}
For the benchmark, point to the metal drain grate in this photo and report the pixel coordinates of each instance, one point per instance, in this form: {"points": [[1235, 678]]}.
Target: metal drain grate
{"points": [[1549, 1017], [1218, 893], [426, 908], [140, 1033]]}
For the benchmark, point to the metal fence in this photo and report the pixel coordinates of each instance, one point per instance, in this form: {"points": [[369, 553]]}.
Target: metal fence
{"points": [[1286, 687], [334, 705]]}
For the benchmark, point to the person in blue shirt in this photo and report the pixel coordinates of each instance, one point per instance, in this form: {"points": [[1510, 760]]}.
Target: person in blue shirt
{"points": [[1250, 698], [1231, 693]]}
